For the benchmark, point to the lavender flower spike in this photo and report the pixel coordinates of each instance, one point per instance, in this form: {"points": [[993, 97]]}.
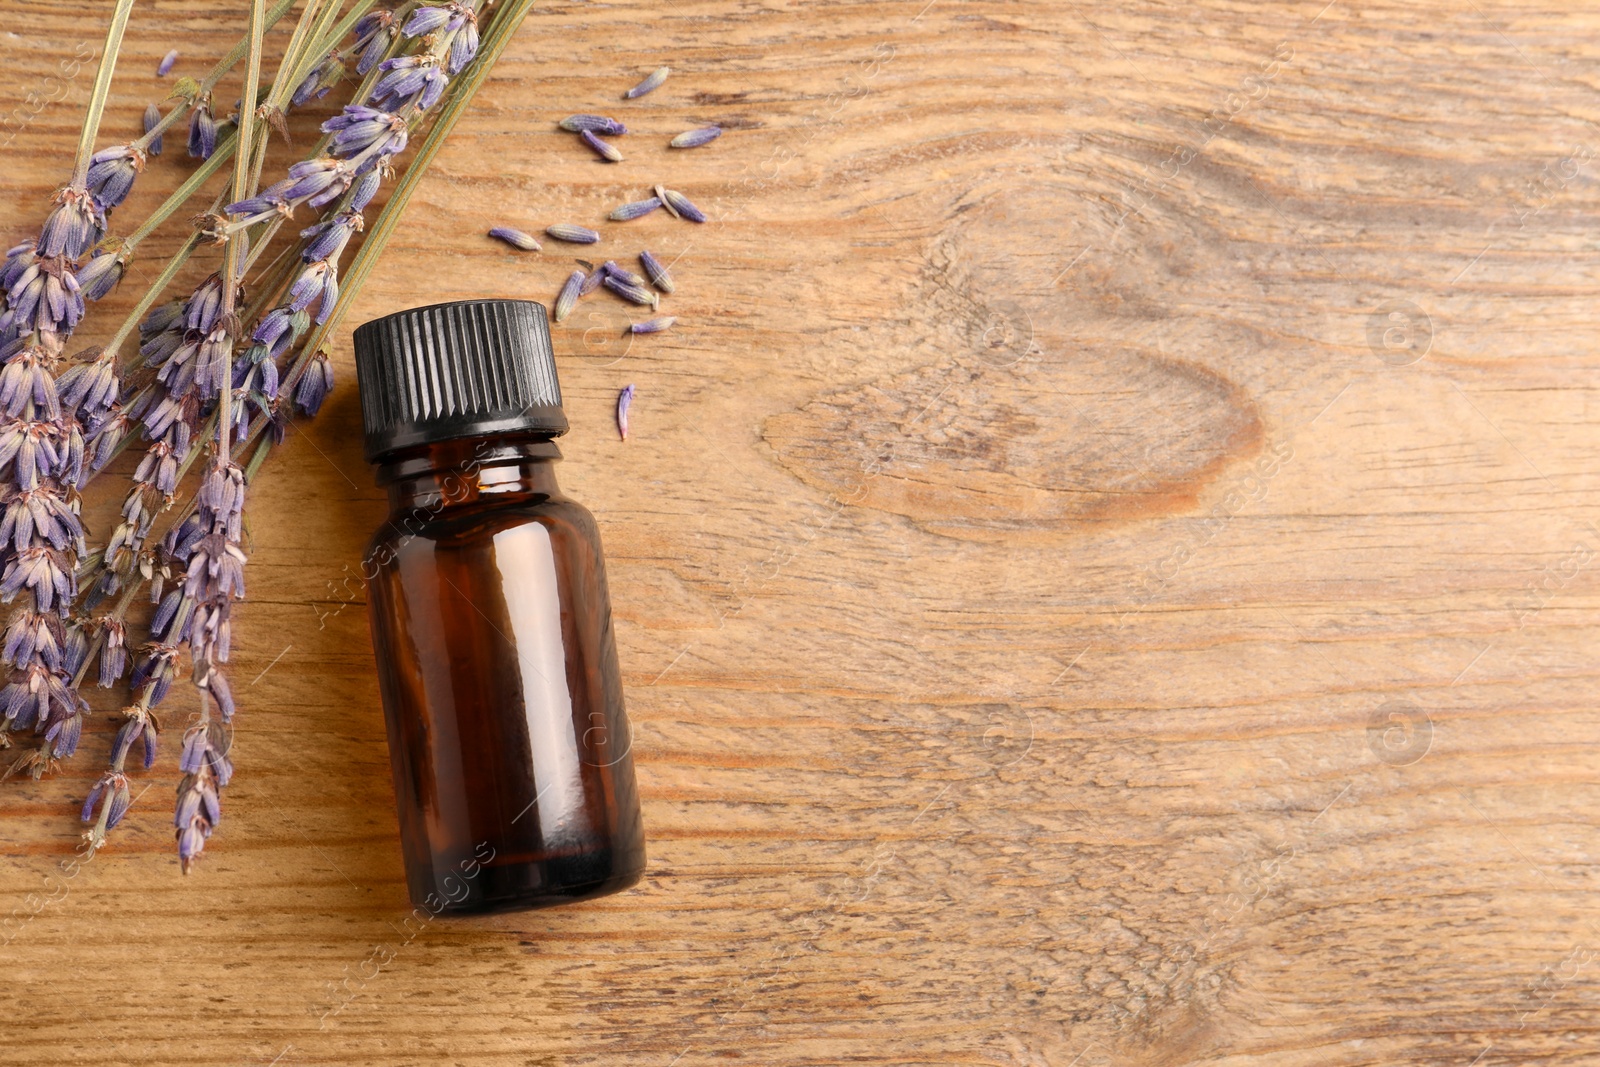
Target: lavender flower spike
{"points": [[516, 238], [650, 84], [577, 235], [695, 138], [655, 325]]}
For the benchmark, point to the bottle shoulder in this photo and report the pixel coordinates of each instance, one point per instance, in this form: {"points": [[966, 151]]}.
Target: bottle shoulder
{"points": [[480, 520]]}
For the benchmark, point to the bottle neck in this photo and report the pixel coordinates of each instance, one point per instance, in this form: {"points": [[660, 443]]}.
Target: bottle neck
{"points": [[469, 471]]}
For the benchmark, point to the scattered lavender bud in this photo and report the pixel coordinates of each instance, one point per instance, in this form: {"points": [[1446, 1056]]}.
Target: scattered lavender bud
{"points": [[592, 282], [634, 210], [152, 117], [655, 325], [624, 402], [685, 209], [696, 138], [607, 152], [595, 123], [164, 67], [577, 235], [516, 238], [656, 271], [631, 292], [622, 274], [568, 297], [661, 195], [650, 84]]}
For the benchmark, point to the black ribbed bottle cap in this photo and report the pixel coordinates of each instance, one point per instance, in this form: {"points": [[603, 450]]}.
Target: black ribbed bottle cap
{"points": [[464, 369]]}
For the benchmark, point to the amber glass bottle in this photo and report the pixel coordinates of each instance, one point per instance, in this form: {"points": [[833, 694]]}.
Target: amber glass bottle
{"points": [[490, 620]]}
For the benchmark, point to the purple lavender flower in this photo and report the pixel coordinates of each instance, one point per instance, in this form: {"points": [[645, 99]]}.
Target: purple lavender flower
{"points": [[516, 238], [427, 19], [634, 210], [623, 274], [164, 67], [682, 205], [202, 131], [114, 788], [657, 272], [359, 129], [206, 771], [567, 299], [112, 172], [597, 123], [651, 84], [572, 234], [695, 138], [152, 119], [366, 187], [409, 79], [655, 325], [98, 277], [464, 45], [373, 33], [90, 386], [323, 77], [624, 403], [77, 222], [315, 384], [605, 151], [632, 293], [326, 240]]}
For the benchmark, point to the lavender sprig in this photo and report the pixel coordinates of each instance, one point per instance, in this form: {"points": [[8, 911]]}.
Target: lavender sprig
{"points": [[42, 450]]}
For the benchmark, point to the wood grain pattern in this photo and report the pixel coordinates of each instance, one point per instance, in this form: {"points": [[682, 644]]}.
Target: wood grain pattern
{"points": [[1105, 569]]}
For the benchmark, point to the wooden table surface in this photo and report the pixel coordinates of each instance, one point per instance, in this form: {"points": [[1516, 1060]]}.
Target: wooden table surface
{"points": [[1105, 568]]}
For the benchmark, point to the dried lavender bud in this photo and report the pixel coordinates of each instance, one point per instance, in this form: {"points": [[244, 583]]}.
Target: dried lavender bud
{"points": [[568, 297], [152, 117], [661, 195], [624, 402], [674, 199], [202, 132], [607, 152], [656, 271], [315, 384], [516, 238], [577, 235], [112, 172], [621, 274], [655, 325], [650, 84], [637, 209], [592, 282], [631, 292], [100, 275], [596, 123], [164, 67], [696, 138]]}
